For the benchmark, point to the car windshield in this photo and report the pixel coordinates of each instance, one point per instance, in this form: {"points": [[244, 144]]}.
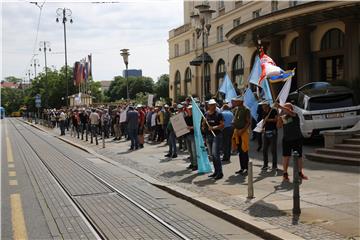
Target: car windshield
{"points": [[329, 102]]}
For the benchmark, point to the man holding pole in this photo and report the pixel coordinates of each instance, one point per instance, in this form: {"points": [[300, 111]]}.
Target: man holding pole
{"points": [[213, 126]]}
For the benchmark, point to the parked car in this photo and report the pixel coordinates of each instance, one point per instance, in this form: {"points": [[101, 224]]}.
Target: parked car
{"points": [[325, 107]]}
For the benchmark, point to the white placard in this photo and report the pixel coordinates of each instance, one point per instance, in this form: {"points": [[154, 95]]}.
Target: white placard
{"points": [[123, 115], [150, 100], [179, 125]]}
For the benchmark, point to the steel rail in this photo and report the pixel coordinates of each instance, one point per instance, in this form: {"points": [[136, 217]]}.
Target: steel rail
{"points": [[109, 185]]}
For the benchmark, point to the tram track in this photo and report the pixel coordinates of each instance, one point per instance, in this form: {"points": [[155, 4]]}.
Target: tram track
{"points": [[98, 233]]}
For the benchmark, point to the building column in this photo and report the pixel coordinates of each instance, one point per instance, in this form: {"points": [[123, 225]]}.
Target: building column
{"points": [[352, 52], [304, 56]]}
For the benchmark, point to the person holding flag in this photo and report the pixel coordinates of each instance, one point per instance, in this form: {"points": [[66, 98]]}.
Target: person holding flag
{"points": [[213, 126]]}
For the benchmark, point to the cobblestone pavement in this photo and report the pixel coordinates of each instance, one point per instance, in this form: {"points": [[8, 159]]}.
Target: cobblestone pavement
{"points": [[325, 208]]}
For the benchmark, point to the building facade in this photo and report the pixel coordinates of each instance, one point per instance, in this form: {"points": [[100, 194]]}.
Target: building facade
{"points": [[132, 73], [321, 40]]}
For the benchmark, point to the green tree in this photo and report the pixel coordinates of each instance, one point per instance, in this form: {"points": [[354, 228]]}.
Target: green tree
{"points": [[162, 86], [117, 89], [13, 79], [12, 99]]}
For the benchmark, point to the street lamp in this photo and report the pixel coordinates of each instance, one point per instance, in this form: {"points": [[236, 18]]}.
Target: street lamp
{"points": [[45, 46], [125, 54], [201, 22], [35, 64], [65, 13]]}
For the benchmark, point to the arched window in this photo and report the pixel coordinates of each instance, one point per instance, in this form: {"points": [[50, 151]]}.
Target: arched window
{"points": [[238, 70], [187, 81], [207, 78], [332, 39], [220, 73], [177, 84], [293, 47]]}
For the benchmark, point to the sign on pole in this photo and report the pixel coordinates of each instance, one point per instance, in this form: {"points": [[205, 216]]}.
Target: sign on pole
{"points": [[179, 125], [38, 100], [150, 100]]}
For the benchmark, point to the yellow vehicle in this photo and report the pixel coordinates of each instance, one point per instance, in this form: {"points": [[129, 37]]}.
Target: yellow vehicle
{"points": [[15, 114]]}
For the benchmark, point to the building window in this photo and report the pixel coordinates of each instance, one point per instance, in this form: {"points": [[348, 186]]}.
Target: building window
{"points": [[293, 47], [238, 3], [274, 5], [332, 69], [293, 3], [220, 34], [187, 81], [333, 39], [221, 4], [256, 13], [238, 70], [207, 79], [220, 73], [177, 84], [193, 41], [176, 50], [187, 46], [236, 22]]}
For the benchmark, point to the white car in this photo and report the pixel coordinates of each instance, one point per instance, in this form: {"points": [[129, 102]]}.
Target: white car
{"points": [[325, 108]]}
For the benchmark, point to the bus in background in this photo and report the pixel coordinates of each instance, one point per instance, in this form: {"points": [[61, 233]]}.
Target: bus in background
{"points": [[2, 112]]}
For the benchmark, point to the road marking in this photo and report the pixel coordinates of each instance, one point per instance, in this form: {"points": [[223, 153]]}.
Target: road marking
{"points": [[11, 165], [13, 182], [9, 152], [12, 174], [17, 217]]}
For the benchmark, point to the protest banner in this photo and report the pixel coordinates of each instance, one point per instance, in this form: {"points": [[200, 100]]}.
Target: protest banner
{"points": [[179, 125]]}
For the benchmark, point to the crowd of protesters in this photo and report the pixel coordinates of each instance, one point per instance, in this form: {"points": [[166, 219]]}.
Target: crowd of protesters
{"points": [[226, 128]]}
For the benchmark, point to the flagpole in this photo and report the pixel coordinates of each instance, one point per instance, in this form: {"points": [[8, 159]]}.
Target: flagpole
{"points": [[207, 123]]}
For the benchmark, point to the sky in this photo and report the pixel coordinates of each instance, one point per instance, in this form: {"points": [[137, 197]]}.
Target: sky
{"points": [[101, 29]]}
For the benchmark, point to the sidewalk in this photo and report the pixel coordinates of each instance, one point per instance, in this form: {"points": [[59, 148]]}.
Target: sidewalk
{"points": [[329, 199]]}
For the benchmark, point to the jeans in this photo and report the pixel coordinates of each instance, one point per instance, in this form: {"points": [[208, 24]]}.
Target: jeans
{"points": [[226, 143], [190, 141], [62, 128], [82, 129], [172, 143], [243, 156], [213, 144], [94, 133], [133, 137], [270, 141]]}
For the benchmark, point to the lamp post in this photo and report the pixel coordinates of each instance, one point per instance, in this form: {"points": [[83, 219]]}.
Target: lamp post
{"points": [[125, 54], [201, 22], [65, 13], [45, 46], [35, 64]]}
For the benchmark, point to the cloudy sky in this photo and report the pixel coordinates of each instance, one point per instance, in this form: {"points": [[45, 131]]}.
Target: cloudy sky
{"points": [[100, 29]]}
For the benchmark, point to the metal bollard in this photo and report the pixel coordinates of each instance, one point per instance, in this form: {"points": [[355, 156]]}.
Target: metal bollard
{"points": [[103, 139], [296, 193], [250, 180]]}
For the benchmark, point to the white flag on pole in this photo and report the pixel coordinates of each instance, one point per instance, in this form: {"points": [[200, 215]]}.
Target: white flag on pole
{"points": [[284, 93]]}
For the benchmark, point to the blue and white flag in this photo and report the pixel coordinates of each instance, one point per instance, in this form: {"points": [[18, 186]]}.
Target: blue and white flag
{"points": [[228, 89], [251, 103], [256, 72], [267, 92], [201, 153]]}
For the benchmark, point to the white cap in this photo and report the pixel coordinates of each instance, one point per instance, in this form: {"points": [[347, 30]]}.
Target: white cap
{"points": [[211, 101]]}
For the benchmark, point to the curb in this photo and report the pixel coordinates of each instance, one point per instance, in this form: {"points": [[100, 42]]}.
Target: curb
{"points": [[236, 217]]}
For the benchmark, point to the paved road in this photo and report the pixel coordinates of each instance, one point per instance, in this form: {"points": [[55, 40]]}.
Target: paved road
{"points": [[51, 190]]}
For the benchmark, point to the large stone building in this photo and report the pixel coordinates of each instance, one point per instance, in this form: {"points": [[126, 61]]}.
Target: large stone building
{"points": [[320, 39]]}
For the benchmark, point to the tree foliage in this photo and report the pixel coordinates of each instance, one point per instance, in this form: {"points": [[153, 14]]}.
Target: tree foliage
{"points": [[117, 89], [162, 86], [11, 99], [12, 79]]}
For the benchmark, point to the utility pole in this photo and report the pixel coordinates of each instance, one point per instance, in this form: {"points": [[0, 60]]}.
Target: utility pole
{"points": [[45, 46], [35, 64], [65, 13], [29, 74]]}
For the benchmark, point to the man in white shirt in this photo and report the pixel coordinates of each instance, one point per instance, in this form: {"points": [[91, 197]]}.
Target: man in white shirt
{"points": [[62, 120], [94, 122]]}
